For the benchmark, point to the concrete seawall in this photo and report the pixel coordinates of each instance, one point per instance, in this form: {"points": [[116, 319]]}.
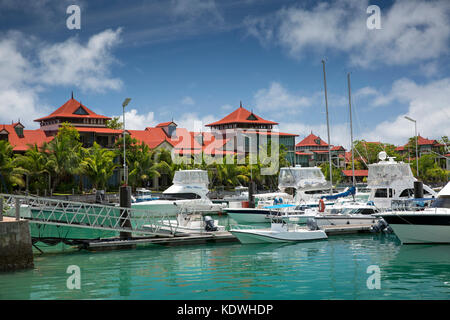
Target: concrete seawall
{"points": [[15, 245]]}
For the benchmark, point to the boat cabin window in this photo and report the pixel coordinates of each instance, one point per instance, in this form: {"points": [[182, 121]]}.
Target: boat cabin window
{"points": [[383, 193], [178, 196], [407, 193], [441, 202], [367, 211]]}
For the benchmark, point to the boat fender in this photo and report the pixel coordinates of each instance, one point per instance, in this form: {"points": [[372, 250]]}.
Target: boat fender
{"points": [[321, 205]]}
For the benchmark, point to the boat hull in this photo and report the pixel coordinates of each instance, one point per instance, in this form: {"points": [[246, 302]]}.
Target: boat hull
{"points": [[338, 220], [249, 215], [420, 228], [267, 236]]}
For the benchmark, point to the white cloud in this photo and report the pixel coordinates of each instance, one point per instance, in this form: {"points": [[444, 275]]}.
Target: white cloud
{"points": [[277, 97], [188, 101], [194, 122], [429, 104], [85, 66], [136, 121], [28, 67], [412, 31], [194, 9]]}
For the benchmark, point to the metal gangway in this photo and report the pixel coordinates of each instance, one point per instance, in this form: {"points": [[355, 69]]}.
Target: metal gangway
{"points": [[84, 215]]}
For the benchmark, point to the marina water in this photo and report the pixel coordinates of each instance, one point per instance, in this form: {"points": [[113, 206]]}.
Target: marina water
{"points": [[330, 269]]}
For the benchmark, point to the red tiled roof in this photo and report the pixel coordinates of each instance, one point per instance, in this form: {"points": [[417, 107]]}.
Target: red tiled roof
{"points": [[311, 141], [337, 148], [152, 137], [67, 111], [241, 115], [358, 173], [303, 153], [271, 133], [423, 141], [165, 124], [99, 130], [30, 137]]}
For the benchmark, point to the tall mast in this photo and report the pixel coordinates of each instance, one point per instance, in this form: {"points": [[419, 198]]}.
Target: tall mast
{"points": [[328, 127], [351, 126]]}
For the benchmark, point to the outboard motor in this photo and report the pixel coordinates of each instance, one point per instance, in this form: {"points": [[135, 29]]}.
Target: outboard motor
{"points": [[209, 224], [381, 226], [100, 196], [312, 224]]}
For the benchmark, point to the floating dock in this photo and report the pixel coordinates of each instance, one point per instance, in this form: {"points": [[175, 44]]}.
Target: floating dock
{"points": [[218, 237], [114, 244]]}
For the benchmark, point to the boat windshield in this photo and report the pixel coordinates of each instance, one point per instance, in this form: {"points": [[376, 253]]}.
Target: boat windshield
{"points": [[384, 174], [302, 178], [441, 202], [191, 177], [179, 196]]}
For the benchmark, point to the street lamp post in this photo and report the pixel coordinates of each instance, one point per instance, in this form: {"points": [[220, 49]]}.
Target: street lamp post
{"points": [[125, 175], [125, 190], [417, 152]]}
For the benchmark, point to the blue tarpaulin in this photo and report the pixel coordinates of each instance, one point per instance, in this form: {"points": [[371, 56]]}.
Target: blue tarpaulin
{"points": [[350, 191], [278, 206]]}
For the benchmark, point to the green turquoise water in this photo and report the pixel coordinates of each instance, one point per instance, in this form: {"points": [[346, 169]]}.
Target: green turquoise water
{"points": [[331, 269]]}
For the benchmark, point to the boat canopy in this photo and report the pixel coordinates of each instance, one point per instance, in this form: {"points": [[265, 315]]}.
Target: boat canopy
{"points": [[189, 177], [384, 173], [350, 191], [305, 178]]}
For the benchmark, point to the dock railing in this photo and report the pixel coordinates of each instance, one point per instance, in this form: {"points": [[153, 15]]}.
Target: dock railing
{"points": [[83, 215]]}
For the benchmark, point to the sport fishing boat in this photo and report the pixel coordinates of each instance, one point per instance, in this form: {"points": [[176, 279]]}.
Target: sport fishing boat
{"points": [[279, 231], [308, 184], [189, 191], [391, 180], [429, 225]]}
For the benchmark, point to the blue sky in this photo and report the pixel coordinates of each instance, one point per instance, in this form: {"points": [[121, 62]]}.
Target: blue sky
{"points": [[195, 60]]}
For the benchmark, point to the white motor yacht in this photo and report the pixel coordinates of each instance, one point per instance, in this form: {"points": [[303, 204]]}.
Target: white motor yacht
{"points": [[279, 231], [188, 191], [391, 180], [307, 182], [430, 225]]}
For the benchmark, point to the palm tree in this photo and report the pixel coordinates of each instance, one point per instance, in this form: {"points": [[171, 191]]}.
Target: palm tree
{"points": [[35, 163], [10, 174], [98, 165], [64, 154]]}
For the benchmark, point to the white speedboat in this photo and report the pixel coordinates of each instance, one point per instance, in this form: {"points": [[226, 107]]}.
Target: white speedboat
{"points": [[142, 195], [430, 225], [189, 191], [186, 224], [352, 213], [278, 232]]}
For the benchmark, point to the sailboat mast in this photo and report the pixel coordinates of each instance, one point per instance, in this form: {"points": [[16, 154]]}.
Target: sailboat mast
{"points": [[328, 127], [351, 126]]}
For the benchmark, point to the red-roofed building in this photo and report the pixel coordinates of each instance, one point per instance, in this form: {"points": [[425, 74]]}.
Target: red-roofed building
{"points": [[90, 125], [246, 132], [425, 146], [359, 175], [313, 151], [22, 139]]}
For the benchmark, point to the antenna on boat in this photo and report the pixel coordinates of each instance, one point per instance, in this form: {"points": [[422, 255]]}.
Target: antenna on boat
{"points": [[328, 126]]}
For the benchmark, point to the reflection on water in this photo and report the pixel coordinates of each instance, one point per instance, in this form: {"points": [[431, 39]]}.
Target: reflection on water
{"points": [[332, 269]]}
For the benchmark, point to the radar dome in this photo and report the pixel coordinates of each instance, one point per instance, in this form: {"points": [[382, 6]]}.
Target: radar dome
{"points": [[382, 155]]}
